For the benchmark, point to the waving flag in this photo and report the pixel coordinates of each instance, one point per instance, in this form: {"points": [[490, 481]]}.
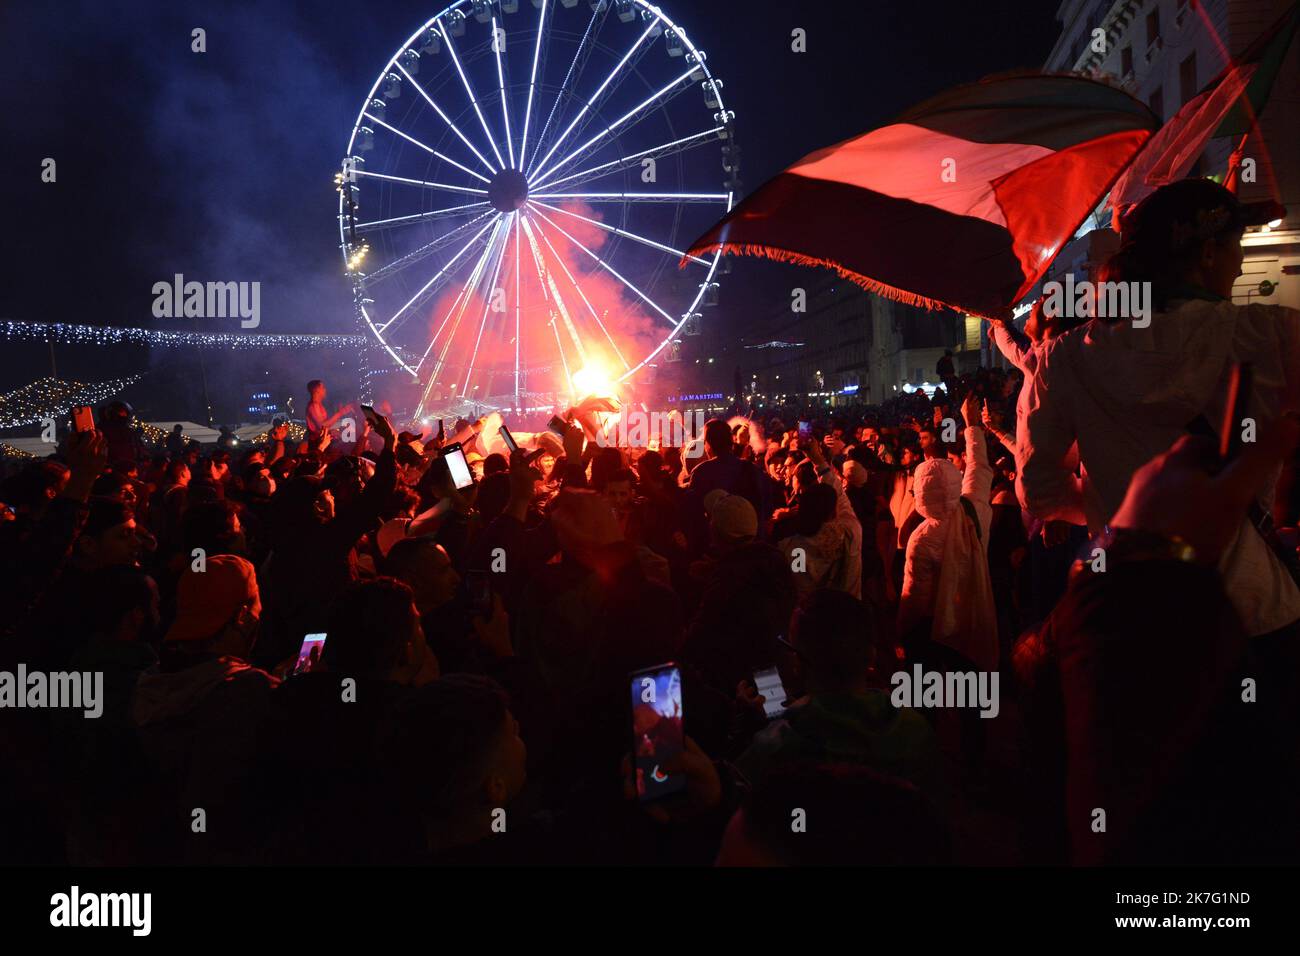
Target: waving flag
{"points": [[1228, 106], [964, 201]]}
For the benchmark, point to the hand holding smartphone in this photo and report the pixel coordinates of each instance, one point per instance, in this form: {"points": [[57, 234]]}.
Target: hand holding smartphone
{"points": [[461, 476], [309, 653], [768, 684], [83, 418], [657, 730]]}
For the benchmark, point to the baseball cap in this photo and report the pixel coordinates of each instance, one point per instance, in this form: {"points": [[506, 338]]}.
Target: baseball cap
{"points": [[1192, 210], [731, 515], [409, 454], [207, 600]]}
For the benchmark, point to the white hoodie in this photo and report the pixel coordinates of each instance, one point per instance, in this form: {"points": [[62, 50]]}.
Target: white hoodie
{"points": [[938, 542], [1123, 395]]}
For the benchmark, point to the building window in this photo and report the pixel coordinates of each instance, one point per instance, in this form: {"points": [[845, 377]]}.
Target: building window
{"points": [[1187, 78], [1126, 62], [1158, 102], [1153, 27]]}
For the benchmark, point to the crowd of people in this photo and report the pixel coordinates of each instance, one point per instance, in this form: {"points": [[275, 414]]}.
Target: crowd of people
{"points": [[327, 652]]}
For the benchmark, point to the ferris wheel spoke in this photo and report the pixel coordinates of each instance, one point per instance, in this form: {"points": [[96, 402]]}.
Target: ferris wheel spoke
{"points": [[640, 197], [433, 341], [590, 308], [593, 117], [541, 274], [548, 282], [622, 163], [559, 346], [501, 85], [448, 187], [445, 270], [470, 93], [446, 119], [605, 265], [518, 258], [528, 110], [415, 255], [667, 91], [428, 149], [462, 300], [586, 107], [487, 307], [416, 217], [583, 48], [679, 253]]}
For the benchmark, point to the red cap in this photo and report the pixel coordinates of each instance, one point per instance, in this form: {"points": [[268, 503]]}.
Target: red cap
{"points": [[207, 600]]}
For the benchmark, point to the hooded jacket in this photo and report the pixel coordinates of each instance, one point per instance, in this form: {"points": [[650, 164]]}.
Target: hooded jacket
{"points": [[1119, 395], [945, 575]]}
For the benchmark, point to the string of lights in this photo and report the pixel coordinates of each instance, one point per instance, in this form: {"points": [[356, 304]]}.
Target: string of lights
{"points": [[68, 333], [296, 433], [150, 434], [52, 397], [9, 451]]}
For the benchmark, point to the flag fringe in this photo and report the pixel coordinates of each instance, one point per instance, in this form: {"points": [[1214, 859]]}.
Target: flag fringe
{"points": [[800, 259]]}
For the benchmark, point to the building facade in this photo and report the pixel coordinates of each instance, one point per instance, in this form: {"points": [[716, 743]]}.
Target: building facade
{"points": [[837, 344]]}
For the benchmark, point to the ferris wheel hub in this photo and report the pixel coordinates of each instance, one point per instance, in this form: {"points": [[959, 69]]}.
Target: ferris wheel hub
{"points": [[508, 190]]}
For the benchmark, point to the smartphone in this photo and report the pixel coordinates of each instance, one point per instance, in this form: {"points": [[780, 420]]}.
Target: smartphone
{"points": [[657, 732], [1241, 381], [83, 418], [480, 593], [309, 653], [768, 683], [805, 431], [454, 455], [369, 412], [509, 439], [558, 425]]}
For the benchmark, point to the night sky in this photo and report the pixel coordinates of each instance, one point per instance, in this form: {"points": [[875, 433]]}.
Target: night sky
{"points": [[220, 164]]}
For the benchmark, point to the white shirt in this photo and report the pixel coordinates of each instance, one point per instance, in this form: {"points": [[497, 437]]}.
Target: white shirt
{"points": [[1123, 395]]}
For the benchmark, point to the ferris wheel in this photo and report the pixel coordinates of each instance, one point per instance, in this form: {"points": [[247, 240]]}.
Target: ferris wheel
{"points": [[518, 190]]}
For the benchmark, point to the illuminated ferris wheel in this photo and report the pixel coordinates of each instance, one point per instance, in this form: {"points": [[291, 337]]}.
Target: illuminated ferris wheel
{"points": [[518, 190]]}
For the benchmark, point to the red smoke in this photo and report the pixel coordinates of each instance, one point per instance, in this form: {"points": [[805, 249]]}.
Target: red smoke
{"points": [[458, 320]]}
